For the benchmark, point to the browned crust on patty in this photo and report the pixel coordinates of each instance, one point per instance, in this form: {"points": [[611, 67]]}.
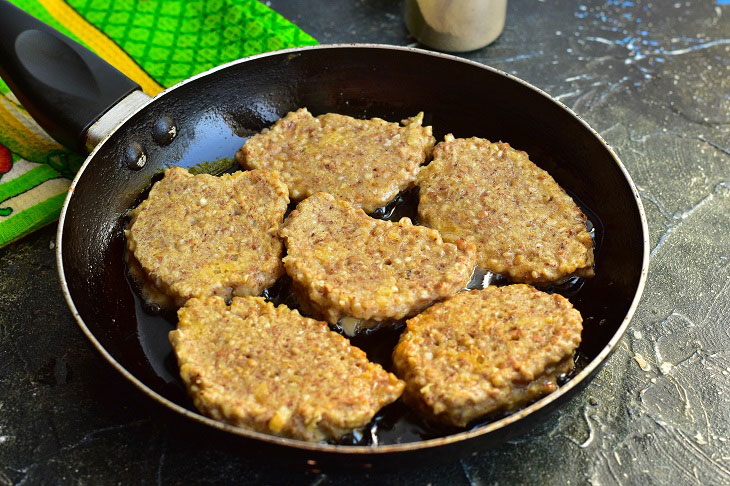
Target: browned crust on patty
{"points": [[522, 222], [202, 235], [349, 264], [271, 370], [365, 162], [486, 351]]}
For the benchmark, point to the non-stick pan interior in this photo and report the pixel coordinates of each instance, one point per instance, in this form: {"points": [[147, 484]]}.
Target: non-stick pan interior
{"points": [[214, 114]]}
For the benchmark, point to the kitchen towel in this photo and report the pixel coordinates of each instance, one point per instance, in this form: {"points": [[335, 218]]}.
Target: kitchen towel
{"points": [[157, 43]]}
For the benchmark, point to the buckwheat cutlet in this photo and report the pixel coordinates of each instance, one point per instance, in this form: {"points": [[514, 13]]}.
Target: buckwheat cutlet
{"points": [[365, 162], [271, 370], [358, 270], [202, 235], [522, 222], [486, 351]]}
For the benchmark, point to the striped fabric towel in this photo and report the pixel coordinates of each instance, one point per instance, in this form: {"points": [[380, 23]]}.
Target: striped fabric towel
{"points": [[157, 43]]}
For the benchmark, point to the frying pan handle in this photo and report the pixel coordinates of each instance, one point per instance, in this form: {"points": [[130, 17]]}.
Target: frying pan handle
{"points": [[64, 86]]}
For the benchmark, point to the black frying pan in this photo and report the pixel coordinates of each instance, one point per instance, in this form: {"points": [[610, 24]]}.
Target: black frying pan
{"points": [[208, 117]]}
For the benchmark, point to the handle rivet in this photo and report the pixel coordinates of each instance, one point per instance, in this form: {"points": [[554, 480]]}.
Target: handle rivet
{"points": [[164, 130], [135, 157]]}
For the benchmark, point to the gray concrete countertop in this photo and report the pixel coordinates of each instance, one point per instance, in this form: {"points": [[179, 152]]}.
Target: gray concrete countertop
{"points": [[654, 79]]}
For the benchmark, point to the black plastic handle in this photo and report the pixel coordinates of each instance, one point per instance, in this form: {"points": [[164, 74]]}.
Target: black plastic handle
{"points": [[64, 86]]}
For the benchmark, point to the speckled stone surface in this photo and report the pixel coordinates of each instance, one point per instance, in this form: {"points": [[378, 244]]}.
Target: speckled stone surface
{"points": [[653, 78]]}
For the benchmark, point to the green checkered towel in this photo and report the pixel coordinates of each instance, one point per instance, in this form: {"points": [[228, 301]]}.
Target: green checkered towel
{"points": [[157, 43]]}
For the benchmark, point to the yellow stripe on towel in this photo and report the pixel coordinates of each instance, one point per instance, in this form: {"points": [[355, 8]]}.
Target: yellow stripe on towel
{"points": [[23, 130]]}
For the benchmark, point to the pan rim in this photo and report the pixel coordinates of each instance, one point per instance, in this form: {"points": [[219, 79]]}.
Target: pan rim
{"points": [[350, 449]]}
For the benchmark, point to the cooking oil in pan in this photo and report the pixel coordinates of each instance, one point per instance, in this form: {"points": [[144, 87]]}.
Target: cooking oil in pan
{"points": [[395, 423]]}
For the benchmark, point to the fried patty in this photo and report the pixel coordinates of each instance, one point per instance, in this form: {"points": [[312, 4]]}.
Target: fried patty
{"points": [[347, 264], [202, 235], [365, 162], [271, 370], [486, 351], [522, 222]]}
